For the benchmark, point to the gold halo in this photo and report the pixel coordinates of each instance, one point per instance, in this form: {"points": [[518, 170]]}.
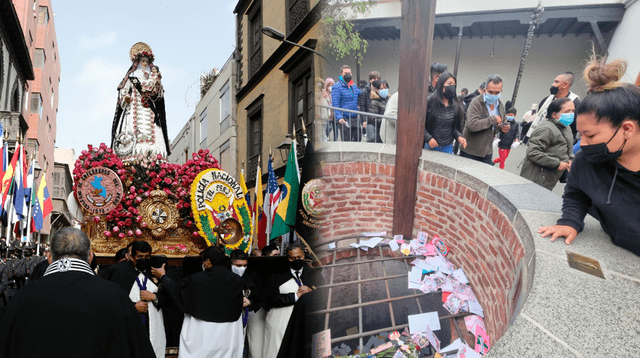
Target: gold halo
{"points": [[138, 48]]}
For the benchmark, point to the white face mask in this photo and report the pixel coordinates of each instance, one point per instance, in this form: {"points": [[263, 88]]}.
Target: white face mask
{"points": [[238, 270], [203, 268], [330, 88]]}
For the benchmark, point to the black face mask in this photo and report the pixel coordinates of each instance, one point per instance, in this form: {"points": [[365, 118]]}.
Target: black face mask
{"points": [[554, 90], [143, 264], [296, 264], [347, 78], [599, 153], [449, 92]]}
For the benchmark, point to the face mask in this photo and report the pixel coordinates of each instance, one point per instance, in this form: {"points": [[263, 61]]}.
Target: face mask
{"points": [[330, 88], [566, 118], [143, 264], [238, 270], [347, 78], [449, 91], [599, 153], [491, 98], [296, 264], [384, 92], [554, 90], [511, 118]]}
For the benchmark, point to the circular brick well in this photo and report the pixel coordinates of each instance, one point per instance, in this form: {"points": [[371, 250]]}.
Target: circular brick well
{"points": [[451, 201]]}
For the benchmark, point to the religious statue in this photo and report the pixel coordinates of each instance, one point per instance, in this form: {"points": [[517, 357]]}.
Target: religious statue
{"points": [[140, 126]]}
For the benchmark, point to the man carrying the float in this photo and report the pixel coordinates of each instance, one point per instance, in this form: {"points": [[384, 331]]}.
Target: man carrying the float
{"points": [[212, 302], [135, 278]]}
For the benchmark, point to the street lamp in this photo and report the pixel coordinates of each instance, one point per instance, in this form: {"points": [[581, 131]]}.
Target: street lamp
{"points": [[277, 35]]}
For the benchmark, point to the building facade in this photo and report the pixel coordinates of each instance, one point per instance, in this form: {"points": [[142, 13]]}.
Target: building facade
{"points": [[40, 104], [274, 78], [213, 124], [15, 73]]}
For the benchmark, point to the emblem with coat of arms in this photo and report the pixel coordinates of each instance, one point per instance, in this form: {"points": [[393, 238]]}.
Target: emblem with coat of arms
{"points": [[221, 211]]}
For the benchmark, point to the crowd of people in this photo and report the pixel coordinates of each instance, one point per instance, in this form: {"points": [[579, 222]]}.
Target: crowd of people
{"points": [[228, 308], [18, 264], [554, 130]]}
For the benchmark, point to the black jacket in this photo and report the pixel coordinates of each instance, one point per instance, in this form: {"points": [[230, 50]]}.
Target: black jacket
{"points": [[608, 191], [506, 139], [433, 131]]}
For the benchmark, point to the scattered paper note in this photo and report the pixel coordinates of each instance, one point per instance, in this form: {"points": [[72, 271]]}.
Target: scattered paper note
{"points": [[482, 341], [460, 276], [415, 275], [455, 345], [420, 322], [371, 234], [474, 307], [394, 245], [321, 347], [472, 321], [515, 144], [332, 246], [466, 352], [435, 342]]}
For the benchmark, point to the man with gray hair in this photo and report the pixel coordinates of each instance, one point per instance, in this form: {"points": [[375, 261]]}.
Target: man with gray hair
{"points": [[485, 116], [71, 311]]}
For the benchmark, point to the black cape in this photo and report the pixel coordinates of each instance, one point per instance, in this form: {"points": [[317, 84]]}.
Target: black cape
{"points": [[72, 314], [124, 274], [311, 277], [213, 295]]}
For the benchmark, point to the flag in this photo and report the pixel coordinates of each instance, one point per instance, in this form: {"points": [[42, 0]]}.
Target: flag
{"points": [[310, 200], [285, 218], [258, 199], [5, 154], [7, 178], [42, 203], [245, 191], [19, 179], [271, 201]]}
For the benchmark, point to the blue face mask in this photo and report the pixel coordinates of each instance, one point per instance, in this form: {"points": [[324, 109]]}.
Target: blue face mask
{"points": [[511, 118], [384, 92], [491, 98], [566, 118]]}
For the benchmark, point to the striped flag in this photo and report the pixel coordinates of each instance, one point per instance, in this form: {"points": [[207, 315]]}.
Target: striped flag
{"points": [[7, 179], [285, 218], [42, 205], [258, 199], [19, 181], [271, 200]]}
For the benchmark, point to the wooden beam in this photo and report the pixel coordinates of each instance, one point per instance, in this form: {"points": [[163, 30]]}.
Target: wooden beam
{"points": [[416, 40]]}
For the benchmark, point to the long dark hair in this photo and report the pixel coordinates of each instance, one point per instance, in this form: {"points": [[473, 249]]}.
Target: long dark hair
{"points": [[436, 98]]}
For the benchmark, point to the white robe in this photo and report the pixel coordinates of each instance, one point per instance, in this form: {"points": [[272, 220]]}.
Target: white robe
{"points": [[202, 339], [276, 322], [255, 332], [157, 335], [139, 119]]}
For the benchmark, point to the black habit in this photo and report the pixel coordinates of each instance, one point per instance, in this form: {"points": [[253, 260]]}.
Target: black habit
{"points": [[72, 314], [213, 295]]}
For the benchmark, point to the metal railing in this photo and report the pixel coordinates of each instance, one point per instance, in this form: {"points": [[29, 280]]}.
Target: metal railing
{"points": [[351, 127]]}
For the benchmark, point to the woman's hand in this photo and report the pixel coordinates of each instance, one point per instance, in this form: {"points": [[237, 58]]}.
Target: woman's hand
{"points": [[433, 143], [559, 230], [564, 166], [462, 141]]}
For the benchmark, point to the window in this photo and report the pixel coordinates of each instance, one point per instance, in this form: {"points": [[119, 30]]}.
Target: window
{"points": [[225, 107], [255, 38], [301, 96], [43, 15], [203, 126], [39, 58], [225, 156], [298, 10], [52, 97], [254, 136], [36, 103]]}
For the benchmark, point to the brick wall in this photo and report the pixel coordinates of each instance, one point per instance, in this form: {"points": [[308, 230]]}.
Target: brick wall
{"points": [[481, 238]]}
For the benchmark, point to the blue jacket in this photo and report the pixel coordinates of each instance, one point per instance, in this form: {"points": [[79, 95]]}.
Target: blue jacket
{"points": [[346, 97]]}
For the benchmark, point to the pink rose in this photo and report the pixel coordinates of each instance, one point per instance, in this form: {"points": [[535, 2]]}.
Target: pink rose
{"points": [[107, 233], [96, 219], [138, 232], [116, 229]]}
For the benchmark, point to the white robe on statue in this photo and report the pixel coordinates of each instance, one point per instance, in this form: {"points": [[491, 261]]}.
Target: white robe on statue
{"points": [[276, 322], [202, 339], [157, 335]]}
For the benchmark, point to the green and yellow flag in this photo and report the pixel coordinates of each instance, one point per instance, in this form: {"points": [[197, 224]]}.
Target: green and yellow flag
{"points": [[285, 217]]}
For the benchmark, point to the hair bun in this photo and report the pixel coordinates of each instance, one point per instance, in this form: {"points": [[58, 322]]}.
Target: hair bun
{"points": [[601, 76]]}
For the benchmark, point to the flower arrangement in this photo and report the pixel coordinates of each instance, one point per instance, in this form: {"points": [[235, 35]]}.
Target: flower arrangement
{"points": [[139, 177]]}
